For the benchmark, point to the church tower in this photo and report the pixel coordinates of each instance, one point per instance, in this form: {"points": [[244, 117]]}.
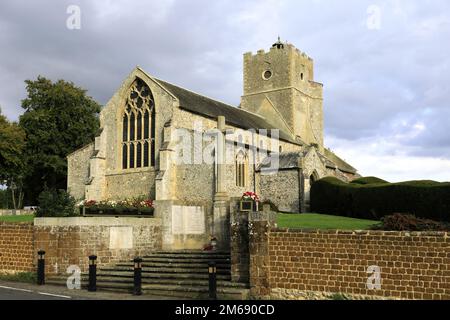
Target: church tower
{"points": [[279, 85]]}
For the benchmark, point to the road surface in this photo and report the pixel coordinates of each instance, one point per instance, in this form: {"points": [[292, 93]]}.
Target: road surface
{"points": [[16, 293]]}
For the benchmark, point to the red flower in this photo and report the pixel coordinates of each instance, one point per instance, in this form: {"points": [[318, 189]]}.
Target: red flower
{"points": [[250, 196], [90, 203]]}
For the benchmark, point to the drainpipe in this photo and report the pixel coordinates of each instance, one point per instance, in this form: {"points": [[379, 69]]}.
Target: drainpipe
{"points": [[254, 161]]}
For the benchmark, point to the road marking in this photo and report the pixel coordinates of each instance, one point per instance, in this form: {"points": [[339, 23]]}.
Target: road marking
{"points": [[17, 289], [54, 295]]}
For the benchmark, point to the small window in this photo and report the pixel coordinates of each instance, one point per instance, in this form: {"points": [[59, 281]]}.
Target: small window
{"points": [[267, 75], [281, 149], [241, 169], [301, 76]]}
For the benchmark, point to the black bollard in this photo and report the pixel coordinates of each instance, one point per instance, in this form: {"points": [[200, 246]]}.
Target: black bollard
{"points": [[212, 270], [92, 273], [137, 290], [41, 268]]}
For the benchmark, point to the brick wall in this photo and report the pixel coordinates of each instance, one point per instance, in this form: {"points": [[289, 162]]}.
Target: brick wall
{"points": [[16, 247], [70, 241], [413, 265]]}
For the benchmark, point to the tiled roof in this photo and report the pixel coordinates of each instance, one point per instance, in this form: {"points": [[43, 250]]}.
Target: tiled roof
{"points": [[290, 160]]}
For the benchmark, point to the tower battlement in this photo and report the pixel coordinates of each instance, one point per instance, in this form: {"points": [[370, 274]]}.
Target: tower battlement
{"points": [[287, 46], [279, 85]]}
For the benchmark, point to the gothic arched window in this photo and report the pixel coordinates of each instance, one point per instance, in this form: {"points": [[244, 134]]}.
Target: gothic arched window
{"points": [[241, 169], [138, 127]]}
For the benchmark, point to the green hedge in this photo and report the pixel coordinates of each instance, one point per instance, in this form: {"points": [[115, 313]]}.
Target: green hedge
{"points": [[369, 180], [424, 199]]}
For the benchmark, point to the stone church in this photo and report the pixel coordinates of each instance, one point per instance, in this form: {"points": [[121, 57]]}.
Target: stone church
{"points": [[138, 149]]}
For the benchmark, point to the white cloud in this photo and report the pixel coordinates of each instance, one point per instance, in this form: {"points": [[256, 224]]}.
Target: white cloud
{"points": [[386, 91], [389, 160]]}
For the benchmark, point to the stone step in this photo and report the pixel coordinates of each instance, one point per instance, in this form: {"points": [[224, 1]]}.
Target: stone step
{"points": [[173, 281], [116, 272], [183, 260], [197, 252], [175, 274], [147, 270], [182, 290], [188, 256], [198, 265]]}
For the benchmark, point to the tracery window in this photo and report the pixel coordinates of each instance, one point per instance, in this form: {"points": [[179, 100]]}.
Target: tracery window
{"points": [[138, 128], [241, 169]]}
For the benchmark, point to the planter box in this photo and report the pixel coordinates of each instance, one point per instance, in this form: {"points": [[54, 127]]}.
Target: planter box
{"points": [[93, 211]]}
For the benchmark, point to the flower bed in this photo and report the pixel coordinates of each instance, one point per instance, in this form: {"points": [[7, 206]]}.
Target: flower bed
{"points": [[129, 207]]}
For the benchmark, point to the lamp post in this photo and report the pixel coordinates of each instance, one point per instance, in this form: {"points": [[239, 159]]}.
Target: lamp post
{"points": [[92, 273], [137, 290], [41, 268], [212, 271]]}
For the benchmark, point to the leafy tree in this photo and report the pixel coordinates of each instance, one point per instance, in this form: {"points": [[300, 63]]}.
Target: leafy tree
{"points": [[59, 118], [12, 142], [56, 203]]}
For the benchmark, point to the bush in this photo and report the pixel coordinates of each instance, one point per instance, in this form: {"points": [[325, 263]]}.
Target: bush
{"points": [[369, 180], [404, 222], [56, 203], [424, 199]]}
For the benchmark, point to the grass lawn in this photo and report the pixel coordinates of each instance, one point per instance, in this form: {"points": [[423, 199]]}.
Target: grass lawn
{"points": [[321, 221], [24, 218]]}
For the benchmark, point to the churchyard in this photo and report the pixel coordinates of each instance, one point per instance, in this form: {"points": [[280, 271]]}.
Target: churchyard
{"points": [[169, 193], [296, 221]]}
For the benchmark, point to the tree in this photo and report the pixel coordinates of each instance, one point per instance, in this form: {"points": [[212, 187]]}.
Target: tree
{"points": [[12, 142], [59, 118]]}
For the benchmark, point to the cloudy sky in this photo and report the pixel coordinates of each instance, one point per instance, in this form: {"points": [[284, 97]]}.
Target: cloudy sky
{"points": [[385, 65]]}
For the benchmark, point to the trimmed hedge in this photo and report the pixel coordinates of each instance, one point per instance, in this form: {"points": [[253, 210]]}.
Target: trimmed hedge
{"points": [[424, 199], [369, 180]]}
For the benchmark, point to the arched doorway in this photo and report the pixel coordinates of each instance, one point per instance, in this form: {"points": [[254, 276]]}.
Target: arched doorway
{"points": [[313, 178], [307, 190]]}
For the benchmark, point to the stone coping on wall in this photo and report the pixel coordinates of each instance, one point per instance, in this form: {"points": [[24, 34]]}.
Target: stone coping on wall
{"points": [[366, 232], [96, 221]]}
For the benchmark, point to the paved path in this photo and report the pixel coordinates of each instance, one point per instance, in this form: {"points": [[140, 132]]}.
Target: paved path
{"points": [[23, 291], [17, 293]]}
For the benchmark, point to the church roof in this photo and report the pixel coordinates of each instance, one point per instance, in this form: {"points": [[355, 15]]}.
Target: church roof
{"points": [[341, 164], [210, 108], [290, 160]]}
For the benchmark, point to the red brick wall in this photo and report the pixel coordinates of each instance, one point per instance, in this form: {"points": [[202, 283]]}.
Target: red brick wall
{"points": [[413, 265], [16, 247]]}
